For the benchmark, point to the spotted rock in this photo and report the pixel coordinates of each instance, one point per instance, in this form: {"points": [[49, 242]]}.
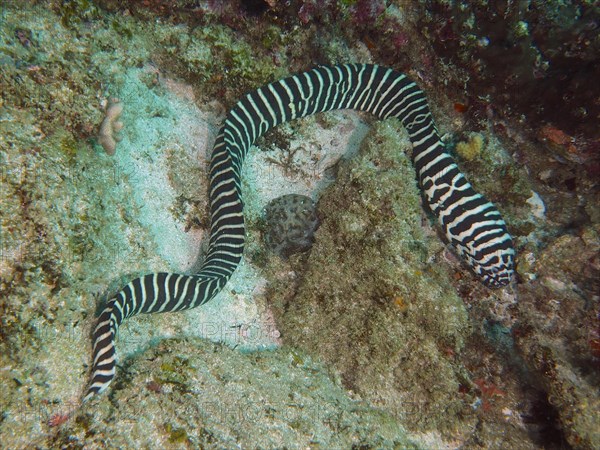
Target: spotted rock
{"points": [[291, 222]]}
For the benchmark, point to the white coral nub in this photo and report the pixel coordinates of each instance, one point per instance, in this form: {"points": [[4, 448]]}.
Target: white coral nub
{"points": [[111, 125]]}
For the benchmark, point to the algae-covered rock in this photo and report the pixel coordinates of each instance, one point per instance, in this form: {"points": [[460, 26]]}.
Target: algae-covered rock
{"points": [[193, 393], [374, 301], [558, 332]]}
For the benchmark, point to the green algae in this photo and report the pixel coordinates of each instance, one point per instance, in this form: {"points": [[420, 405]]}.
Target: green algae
{"points": [[212, 56], [74, 12], [176, 435]]}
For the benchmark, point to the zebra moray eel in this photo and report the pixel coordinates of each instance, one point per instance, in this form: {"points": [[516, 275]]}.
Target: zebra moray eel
{"points": [[471, 223]]}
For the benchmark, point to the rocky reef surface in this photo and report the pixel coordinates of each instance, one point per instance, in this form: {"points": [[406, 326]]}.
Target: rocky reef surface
{"points": [[377, 337]]}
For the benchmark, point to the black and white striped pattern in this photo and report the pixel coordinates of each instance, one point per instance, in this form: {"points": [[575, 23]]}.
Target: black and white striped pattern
{"points": [[472, 224]]}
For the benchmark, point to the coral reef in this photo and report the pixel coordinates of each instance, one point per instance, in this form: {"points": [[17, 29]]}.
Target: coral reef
{"points": [[378, 299], [290, 222], [530, 56], [559, 336]]}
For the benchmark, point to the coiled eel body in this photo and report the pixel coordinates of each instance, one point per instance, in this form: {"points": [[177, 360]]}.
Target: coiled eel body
{"points": [[471, 224]]}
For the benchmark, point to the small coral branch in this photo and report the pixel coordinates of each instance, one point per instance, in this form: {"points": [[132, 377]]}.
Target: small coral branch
{"points": [[111, 125], [58, 419]]}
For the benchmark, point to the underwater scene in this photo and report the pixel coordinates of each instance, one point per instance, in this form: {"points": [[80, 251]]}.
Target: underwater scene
{"points": [[371, 224]]}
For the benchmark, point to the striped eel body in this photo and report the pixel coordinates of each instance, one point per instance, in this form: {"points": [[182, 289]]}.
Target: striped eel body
{"points": [[471, 224]]}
